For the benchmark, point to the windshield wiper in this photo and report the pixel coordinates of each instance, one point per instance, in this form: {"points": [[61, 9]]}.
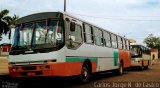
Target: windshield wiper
{"points": [[19, 47]]}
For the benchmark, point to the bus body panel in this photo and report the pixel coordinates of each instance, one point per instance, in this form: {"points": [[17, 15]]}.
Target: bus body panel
{"points": [[104, 55], [125, 56], [54, 55]]}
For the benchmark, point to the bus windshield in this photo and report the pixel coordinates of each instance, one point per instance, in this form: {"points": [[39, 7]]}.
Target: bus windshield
{"points": [[38, 35], [136, 51]]}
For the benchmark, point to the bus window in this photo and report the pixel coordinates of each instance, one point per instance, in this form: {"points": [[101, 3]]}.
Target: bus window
{"points": [[26, 34], [134, 51], [124, 44], [40, 33], [114, 41], [120, 43], [98, 36], [88, 34], [53, 37], [75, 36], [107, 39], [127, 44]]}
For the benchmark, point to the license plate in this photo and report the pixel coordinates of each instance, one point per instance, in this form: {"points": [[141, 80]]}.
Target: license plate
{"points": [[30, 73]]}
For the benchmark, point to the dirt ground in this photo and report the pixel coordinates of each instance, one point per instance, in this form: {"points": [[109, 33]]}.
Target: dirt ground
{"points": [[130, 79], [146, 79], [3, 65]]}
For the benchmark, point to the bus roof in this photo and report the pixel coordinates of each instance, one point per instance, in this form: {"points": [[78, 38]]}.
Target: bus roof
{"points": [[38, 16]]}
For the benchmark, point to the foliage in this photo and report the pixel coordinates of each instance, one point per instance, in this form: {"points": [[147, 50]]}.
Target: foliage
{"points": [[6, 22], [153, 42]]}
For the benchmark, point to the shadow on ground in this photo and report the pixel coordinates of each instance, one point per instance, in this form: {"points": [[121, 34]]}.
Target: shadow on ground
{"points": [[48, 82]]}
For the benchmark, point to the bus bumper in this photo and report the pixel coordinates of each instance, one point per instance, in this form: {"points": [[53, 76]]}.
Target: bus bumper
{"points": [[141, 63], [55, 69]]}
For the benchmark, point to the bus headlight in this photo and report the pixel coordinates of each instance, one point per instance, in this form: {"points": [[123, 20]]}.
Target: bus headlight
{"points": [[42, 67], [15, 69]]}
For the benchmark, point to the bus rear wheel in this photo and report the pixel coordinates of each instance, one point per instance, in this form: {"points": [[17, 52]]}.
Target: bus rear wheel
{"points": [[120, 70], [85, 74]]}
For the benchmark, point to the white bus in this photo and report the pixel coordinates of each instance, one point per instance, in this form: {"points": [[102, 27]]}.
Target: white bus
{"points": [[57, 44]]}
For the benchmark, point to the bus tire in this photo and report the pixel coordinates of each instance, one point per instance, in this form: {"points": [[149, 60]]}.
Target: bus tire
{"points": [[142, 67], [146, 67], [120, 70], [85, 74]]}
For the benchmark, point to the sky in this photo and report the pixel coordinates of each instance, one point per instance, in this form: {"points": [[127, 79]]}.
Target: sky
{"points": [[134, 19]]}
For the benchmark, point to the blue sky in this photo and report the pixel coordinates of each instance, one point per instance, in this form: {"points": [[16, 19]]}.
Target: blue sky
{"points": [[133, 18]]}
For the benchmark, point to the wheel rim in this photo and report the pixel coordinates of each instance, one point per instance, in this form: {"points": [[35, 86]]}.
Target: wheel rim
{"points": [[85, 74], [121, 69]]}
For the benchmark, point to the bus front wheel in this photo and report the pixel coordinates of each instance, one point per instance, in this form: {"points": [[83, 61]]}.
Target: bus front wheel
{"points": [[85, 74]]}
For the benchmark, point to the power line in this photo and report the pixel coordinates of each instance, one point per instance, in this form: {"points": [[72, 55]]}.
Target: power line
{"points": [[120, 19]]}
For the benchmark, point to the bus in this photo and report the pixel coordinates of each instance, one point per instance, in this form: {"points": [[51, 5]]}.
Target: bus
{"points": [[141, 57], [61, 45]]}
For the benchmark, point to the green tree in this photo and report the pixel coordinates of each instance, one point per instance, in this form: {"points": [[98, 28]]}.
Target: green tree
{"points": [[153, 42], [6, 22], [12, 24], [13, 21]]}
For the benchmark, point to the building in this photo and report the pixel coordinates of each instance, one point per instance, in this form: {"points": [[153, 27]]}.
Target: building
{"points": [[4, 49], [154, 56]]}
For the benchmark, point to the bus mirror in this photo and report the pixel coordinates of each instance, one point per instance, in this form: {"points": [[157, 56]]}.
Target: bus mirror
{"points": [[72, 27]]}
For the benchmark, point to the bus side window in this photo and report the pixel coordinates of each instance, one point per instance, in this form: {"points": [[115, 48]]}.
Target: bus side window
{"points": [[127, 44], [88, 34], [98, 36], [107, 39], [120, 43], [124, 44], [74, 36], [114, 41]]}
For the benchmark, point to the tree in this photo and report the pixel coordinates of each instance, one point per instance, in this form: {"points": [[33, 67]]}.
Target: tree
{"points": [[6, 22], [13, 21], [12, 24], [153, 42]]}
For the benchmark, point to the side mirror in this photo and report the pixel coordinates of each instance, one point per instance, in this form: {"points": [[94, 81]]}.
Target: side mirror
{"points": [[72, 27]]}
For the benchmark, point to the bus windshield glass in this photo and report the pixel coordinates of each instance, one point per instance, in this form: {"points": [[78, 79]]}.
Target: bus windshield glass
{"points": [[136, 51], [26, 34], [38, 35]]}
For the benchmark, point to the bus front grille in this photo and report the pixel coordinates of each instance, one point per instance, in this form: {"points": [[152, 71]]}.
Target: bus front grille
{"points": [[29, 68]]}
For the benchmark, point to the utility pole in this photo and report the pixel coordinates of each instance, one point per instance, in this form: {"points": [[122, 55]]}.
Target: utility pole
{"points": [[64, 5]]}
